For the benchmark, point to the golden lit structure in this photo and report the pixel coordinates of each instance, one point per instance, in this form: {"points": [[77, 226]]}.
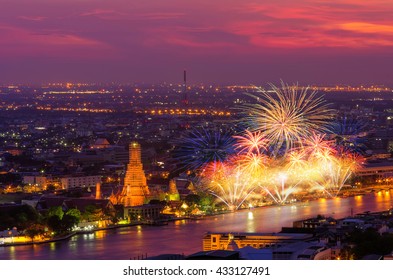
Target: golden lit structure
{"points": [[98, 191], [135, 190], [173, 192]]}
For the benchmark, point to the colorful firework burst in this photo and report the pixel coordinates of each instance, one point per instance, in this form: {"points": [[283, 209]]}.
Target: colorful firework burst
{"points": [[229, 184], [336, 171], [297, 160], [251, 142], [316, 146], [287, 115], [253, 164], [283, 151], [348, 131], [201, 146], [281, 186]]}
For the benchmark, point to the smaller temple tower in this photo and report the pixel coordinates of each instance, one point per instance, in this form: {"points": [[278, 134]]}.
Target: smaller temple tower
{"points": [[173, 192], [98, 191]]}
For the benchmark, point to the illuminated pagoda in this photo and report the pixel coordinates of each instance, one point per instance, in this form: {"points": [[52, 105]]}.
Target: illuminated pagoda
{"points": [[135, 190], [173, 192]]}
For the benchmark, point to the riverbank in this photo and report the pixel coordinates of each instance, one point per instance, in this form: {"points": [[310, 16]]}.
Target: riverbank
{"points": [[68, 236], [55, 239], [165, 222], [186, 237]]}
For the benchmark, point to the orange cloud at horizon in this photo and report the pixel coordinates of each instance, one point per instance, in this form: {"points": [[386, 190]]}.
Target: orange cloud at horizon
{"points": [[366, 27]]}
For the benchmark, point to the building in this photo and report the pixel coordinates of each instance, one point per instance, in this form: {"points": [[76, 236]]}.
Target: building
{"points": [[148, 212], [221, 241], [376, 168], [313, 223], [100, 143], [215, 255], [135, 190], [70, 182], [173, 193], [41, 181], [302, 251], [184, 187], [81, 203]]}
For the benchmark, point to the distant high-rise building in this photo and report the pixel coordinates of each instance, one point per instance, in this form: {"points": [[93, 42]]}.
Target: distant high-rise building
{"points": [[135, 190], [185, 95]]}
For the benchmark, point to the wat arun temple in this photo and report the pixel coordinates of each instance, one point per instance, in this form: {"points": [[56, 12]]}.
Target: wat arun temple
{"points": [[135, 190]]}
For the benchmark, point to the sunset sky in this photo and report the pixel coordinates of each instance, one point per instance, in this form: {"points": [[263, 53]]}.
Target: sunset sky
{"points": [[218, 41]]}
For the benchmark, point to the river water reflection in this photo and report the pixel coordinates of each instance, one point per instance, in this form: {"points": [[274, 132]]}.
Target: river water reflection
{"points": [[186, 236]]}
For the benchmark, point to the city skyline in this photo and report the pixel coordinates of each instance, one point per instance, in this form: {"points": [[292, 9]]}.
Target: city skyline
{"points": [[171, 130], [223, 42]]}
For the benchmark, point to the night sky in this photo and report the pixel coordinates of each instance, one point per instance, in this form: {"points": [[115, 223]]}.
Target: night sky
{"points": [[217, 41]]}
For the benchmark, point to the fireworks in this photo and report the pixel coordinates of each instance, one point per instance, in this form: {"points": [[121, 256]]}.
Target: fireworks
{"points": [[251, 142], [297, 160], [287, 115], [280, 189], [335, 172], [253, 164], [282, 179], [285, 150], [317, 147], [229, 184], [347, 131], [201, 146]]}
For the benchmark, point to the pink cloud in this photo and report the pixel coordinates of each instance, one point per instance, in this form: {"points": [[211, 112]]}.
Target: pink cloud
{"points": [[160, 16], [24, 42], [366, 27], [319, 25], [104, 14], [32, 18], [152, 33]]}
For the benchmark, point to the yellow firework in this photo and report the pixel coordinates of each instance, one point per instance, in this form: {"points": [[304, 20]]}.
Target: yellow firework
{"points": [[336, 171], [255, 165], [288, 114], [316, 146], [229, 184], [251, 142]]}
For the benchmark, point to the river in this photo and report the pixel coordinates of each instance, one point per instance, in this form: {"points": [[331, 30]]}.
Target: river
{"points": [[185, 237]]}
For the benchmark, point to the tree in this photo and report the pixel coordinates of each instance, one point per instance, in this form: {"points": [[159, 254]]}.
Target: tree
{"points": [[192, 199], [71, 218], [92, 213], [20, 216], [34, 230], [56, 211], [75, 213], [370, 241], [207, 201], [54, 223], [68, 222]]}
